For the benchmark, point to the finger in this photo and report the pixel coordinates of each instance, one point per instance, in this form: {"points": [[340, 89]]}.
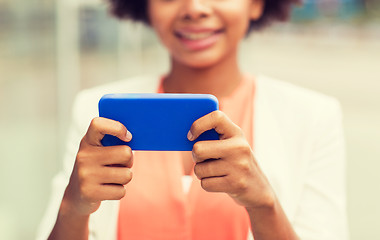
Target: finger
{"points": [[227, 184], [109, 192], [204, 150], [215, 184], [215, 120], [101, 126], [116, 175], [211, 168], [116, 156]]}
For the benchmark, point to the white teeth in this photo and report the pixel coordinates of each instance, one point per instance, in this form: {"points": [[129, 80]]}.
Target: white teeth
{"points": [[196, 36]]}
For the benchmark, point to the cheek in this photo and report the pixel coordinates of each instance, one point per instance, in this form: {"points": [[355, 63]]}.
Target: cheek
{"points": [[238, 28], [240, 19], [161, 30], [161, 24], [236, 18], [240, 24]]}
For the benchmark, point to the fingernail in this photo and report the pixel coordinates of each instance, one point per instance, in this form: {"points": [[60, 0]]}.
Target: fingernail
{"points": [[190, 136], [129, 136]]}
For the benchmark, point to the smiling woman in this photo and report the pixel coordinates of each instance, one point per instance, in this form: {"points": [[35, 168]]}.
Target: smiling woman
{"points": [[201, 34], [279, 158]]}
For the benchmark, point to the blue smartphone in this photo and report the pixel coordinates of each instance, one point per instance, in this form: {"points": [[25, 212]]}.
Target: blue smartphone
{"points": [[157, 121]]}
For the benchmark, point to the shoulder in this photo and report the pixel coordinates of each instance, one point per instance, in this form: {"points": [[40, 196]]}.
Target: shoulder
{"points": [[289, 98], [85, 106], [144, 83], [298, 116]]}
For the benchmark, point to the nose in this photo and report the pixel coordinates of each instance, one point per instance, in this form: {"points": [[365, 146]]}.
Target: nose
{"points": [[195, 9]]}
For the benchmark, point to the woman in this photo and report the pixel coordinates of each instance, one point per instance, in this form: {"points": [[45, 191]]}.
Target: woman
{"points": [[277, 171]]}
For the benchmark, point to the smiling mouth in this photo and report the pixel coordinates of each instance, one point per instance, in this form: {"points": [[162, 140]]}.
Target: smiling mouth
{"points": [[196, 36]]}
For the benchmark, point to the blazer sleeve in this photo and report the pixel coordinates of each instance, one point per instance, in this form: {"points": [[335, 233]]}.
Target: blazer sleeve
{"points": [[321, 210], [84, 110], [60, 181]]}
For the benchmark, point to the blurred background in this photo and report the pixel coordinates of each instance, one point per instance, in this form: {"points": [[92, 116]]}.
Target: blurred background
{"points": [[49, 50]]}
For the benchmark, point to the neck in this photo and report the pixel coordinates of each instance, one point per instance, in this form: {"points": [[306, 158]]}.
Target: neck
{"points": [[220, 79]]}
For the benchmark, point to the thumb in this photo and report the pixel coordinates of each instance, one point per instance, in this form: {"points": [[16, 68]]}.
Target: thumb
{"points": [[99, 127]]}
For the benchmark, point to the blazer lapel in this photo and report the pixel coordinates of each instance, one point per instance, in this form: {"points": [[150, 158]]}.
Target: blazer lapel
{"points": [[269, 147]]}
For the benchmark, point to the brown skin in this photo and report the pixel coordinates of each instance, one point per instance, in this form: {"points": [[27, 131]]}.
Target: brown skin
{"points": [[227, 165], [99, 174]]}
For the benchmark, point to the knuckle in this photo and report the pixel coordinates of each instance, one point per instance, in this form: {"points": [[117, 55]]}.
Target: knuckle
{"points": [[83, 142], [197, 171], [195, 127], [241, 185], [217, 115], [244, 166], [205, 185], [95, 122], [127, 156], [82, 157], [239, 131], [243, 148], [83, 175], [120, 193], [197, 148], [127, 176], [127, 152], [120, 127], [209, 186]]}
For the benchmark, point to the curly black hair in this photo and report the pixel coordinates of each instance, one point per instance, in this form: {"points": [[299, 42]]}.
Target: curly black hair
{"points": [[274, 10]]}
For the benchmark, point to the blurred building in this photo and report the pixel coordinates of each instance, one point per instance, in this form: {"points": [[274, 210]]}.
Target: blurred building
{"points": [[338, 9]]}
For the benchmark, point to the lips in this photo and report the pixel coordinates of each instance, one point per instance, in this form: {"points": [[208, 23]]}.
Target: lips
{"points": [[198, 39], [195, 36]]}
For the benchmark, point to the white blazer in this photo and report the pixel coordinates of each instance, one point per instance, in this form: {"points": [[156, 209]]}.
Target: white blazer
{"points": [[298, 143]]}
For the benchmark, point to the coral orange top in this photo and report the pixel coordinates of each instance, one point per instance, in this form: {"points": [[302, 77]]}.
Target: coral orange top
{"points": [[157, 207]]}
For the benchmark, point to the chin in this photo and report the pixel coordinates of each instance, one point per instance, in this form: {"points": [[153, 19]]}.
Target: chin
{"points": [[199, 62], [200, 65]]}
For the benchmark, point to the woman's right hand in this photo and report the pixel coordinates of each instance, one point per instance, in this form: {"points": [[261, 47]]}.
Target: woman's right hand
{"points": [[99, 173]]}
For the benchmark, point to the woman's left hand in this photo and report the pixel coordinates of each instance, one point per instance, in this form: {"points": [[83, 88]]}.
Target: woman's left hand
{"points": [[229, 165]]}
